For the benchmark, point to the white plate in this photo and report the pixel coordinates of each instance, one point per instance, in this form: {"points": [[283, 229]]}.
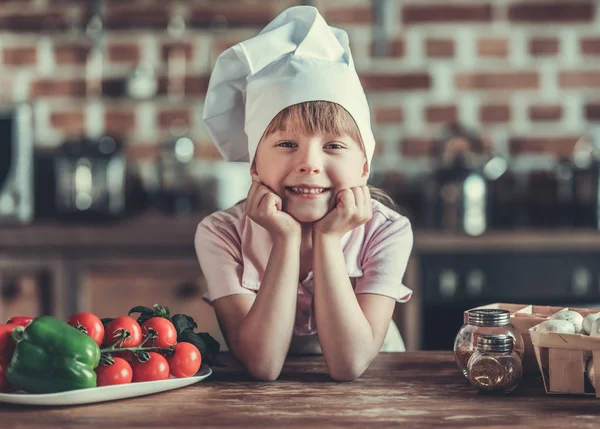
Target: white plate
{"points": [[104, 393]]}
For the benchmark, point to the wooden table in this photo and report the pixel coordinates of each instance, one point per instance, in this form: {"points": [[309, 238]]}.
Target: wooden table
{"points": [[411, 390]]}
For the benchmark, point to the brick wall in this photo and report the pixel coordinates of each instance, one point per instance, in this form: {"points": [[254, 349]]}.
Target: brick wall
{"points": [[525, 74]]}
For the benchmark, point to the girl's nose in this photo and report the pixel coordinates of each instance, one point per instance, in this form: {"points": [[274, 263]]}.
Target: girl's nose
{"points": [[309, 162]]}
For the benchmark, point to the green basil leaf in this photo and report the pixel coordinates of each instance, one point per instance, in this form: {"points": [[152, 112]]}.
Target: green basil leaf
{"points": [[183, 322], [140, 309]]}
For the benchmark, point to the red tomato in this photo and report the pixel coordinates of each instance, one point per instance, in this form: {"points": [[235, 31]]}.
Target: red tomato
{"points": [[186, 360], [115, 328], [7, 344], [128, 356], [119, 372], [157, 368], [167, 334], [5, 386], [20, 320], [89, 324]]}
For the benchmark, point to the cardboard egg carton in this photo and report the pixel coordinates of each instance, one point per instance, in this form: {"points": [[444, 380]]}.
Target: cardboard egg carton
{"points": [[562, 359]]}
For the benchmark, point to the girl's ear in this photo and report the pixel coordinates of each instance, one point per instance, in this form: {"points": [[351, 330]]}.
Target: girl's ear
{"points": [[365, 169], [253, 172]]}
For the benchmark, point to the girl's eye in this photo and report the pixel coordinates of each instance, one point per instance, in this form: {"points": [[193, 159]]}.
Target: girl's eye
{"points": [[287, 144], [334, 146]]}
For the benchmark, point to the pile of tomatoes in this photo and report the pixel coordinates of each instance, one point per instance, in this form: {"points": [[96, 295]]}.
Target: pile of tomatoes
{"points": [[162, 355]]}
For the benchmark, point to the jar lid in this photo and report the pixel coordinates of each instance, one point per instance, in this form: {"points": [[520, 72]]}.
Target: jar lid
{"points": [[488, 317], [495, 343]]}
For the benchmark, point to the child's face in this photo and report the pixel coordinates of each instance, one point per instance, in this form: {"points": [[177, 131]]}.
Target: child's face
{"points": [[284, 161]]}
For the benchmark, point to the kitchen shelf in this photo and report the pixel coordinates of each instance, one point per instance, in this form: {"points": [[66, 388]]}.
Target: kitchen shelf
{"points": [[154, 230]]}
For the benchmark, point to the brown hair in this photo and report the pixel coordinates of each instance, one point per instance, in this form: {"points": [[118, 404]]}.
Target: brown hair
{"points": [[324, 117]]}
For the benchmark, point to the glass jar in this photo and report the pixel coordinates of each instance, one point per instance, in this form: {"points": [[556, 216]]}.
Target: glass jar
{"points": [[484, 321], [495, 367]]}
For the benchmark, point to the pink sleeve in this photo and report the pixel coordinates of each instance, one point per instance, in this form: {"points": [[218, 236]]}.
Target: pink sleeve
{"points": [[219, 254], [385, 260]]}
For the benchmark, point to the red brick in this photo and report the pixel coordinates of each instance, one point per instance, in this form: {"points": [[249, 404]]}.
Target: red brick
{"points": [[207, 151], [500, 81], [123, 53], [395, 48], [143, 151], [33, 21], [494, 113], [386, 115], [426, 13], [492, 47], [590, 46], [415, 147], [541, 46], [592, 111], [119, 121], [69, 122], [234, 15], [186, 47], [405, 82], [167, 117], [51, 87], [439, 47], [441, 114], [196, 85], [579, 79], [127, 17], [223, 42], [561, 146], [545, 113], [72, 53], [19, 56], [349, 15], [551, 12]]}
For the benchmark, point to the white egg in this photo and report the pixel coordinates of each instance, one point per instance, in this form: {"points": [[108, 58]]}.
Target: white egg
{"points": [[589, 369], [588, 321], [571, 316], [560, 326], [595, 329]]}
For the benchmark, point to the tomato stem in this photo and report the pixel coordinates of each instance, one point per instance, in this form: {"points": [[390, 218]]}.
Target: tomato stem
{"points": [[134, 349]]}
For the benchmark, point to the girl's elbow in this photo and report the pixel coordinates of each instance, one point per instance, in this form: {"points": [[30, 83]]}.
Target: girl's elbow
{"points": [[347, 373], [264, 373]]}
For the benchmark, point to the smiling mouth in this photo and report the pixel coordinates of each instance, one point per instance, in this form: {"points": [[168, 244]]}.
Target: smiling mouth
{"points": [[307, 191]]}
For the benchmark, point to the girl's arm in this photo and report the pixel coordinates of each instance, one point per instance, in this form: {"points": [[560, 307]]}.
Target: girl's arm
{"points": [[259, 329], [351, 328]]}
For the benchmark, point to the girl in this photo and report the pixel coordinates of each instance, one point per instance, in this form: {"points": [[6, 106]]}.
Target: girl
{"points": [[309, 262]]}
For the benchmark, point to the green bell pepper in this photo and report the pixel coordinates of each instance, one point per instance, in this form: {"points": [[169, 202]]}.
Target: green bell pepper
{"points": [[52, 356]]}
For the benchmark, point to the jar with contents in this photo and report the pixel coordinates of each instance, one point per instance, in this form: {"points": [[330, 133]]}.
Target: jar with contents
{"points": [[495, 367], [484, 321]]}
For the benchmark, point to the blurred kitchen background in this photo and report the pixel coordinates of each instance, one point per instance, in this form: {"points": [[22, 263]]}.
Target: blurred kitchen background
{"points": [[486, 115]]}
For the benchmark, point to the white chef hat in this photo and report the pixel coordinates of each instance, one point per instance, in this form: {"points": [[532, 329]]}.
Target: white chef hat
{"points": [[296, 58]]}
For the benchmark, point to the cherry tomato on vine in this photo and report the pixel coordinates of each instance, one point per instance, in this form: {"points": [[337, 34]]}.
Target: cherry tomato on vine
{"points": [[119, 372], [89, 324], [167, 334], [156, 368], [186, 360], [114, 330]]}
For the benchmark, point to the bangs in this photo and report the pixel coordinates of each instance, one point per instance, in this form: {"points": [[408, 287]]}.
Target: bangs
{"points": [[315, 117]]}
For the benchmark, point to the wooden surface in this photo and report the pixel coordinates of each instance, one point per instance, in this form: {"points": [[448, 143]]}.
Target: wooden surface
{"points": [[412, 390], [153, 229]]}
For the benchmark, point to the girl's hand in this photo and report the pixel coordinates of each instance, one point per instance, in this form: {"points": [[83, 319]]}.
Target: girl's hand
{"points": [[263, 206], [352, 209]]}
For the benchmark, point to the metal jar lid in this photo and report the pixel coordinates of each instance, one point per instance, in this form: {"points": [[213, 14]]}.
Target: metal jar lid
{"points": [[495, 343], [488, 317]]}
